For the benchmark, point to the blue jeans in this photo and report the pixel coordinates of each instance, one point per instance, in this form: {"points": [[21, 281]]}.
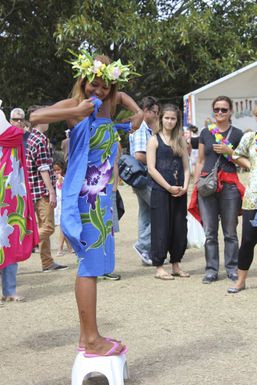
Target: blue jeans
{"points": [[224, 205], [144, 219], [9, 279]]}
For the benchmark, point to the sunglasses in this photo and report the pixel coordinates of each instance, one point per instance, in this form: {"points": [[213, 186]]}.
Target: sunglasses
{"points": [[155, 112], [223, 110], [17, 119]]}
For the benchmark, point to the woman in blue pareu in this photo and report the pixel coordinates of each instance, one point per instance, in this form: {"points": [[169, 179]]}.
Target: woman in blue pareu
{"points": [[87, 192]]}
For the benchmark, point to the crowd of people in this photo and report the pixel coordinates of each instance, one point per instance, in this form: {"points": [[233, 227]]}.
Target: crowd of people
{"points": [[82, 199]]}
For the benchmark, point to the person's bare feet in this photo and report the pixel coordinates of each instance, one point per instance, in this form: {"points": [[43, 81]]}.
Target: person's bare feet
{"points": [[178, 272], [161, 273]]}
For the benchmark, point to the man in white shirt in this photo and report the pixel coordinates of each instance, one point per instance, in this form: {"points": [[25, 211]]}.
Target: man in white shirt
{"points": [[138, 144]]}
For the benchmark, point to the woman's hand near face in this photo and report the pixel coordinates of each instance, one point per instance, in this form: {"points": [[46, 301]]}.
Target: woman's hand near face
{"points": [[67, 109], [85, 108]]}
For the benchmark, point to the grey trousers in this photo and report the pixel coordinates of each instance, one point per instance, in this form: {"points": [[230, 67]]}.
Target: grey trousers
{"points": [[144, 219], [224, 205]]}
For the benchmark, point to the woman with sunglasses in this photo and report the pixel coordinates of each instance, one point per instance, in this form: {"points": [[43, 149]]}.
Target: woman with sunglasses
{"points": [[245, 156], [225, 203]]}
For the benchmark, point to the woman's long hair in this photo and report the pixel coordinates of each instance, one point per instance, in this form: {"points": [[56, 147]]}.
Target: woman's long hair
{"points": [[176, 140], [78, 90]]}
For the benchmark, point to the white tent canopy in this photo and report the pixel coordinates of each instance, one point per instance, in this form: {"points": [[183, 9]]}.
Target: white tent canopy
{"points": [[240, 86]]}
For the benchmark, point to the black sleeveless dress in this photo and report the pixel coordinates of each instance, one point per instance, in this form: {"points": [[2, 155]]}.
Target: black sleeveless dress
{"points": [[170, 166], [168, 213]]}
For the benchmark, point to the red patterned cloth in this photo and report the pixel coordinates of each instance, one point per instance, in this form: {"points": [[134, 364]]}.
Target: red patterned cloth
{"points": [[18, 228], [223, 177]]}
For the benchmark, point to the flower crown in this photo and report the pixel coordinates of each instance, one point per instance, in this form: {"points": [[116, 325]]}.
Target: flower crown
{"points": [[89, 67]]}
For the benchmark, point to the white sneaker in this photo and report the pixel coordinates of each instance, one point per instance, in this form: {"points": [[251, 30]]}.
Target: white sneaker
{"points": [[144, 257]]}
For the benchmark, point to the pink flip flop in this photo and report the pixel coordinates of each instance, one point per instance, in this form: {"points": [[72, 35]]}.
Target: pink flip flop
{"points": [[109, 353], [82, 348]]}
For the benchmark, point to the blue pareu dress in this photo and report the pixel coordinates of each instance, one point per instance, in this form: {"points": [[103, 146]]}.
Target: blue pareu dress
{"points": [[87, 195]]}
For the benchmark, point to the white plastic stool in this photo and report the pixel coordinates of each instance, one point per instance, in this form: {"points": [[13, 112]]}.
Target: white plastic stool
{"points": [[114, 368]]}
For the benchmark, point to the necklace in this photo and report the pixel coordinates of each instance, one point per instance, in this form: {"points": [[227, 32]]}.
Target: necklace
{"points": [[167, 141], [219, 138]]}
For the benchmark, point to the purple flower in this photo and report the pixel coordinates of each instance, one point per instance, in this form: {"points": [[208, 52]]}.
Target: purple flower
{"points": [[116, 73], [96, 181]]}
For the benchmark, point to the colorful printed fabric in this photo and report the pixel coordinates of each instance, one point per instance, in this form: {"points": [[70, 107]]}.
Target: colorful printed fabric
{"points": [[18, 228], [247, 148], [86, 218], [39, 158], [219, 138]]}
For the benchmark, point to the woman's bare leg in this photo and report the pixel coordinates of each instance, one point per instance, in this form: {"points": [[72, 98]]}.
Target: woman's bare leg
{"points": [[68, 245], [85, 290], [242, 274], [61, 240]]}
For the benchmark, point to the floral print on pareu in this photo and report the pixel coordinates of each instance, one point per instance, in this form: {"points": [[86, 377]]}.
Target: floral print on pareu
{"points": [[95, 201]]}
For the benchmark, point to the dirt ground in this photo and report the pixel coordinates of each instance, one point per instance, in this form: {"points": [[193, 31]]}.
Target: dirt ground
{"points": [[178, 332]]}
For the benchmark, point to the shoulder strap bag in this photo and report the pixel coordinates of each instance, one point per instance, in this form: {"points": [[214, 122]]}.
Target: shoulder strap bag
{"points": [[207, 184]]}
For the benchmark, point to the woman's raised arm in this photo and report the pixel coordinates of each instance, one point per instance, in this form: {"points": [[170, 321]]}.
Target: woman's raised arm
{"points": [[126, 101], [64, 110]]}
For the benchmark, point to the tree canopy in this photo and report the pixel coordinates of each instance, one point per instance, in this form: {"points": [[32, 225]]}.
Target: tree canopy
{"points": [[176, 46]]}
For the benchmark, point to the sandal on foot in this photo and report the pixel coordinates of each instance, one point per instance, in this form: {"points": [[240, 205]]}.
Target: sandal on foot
{"points": [[13, 298], [164, 277], [82, 348], [181, 274], [110, 352]]}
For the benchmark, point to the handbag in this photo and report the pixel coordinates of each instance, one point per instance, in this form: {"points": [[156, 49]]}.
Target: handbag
{"points": [[207, 184], [132, 171]]}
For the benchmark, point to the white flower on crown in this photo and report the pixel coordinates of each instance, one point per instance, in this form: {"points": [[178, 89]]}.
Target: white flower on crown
{"points": [[5, 230], [97, 66]]}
